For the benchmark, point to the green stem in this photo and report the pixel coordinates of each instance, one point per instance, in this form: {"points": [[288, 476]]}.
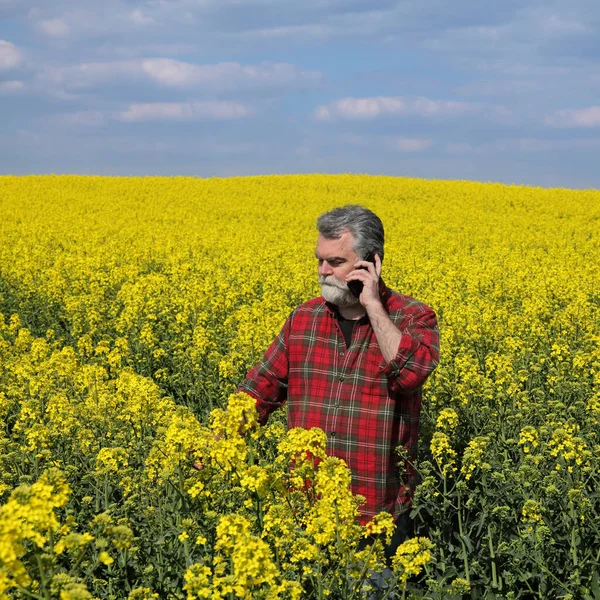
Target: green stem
{"points": [[493, 557], [363, 571], [90, 570], [390, 590], [29, 594], [181, 482], [443, 560], [462, 543], [106, 492], [79, 559], [186, 551], [320, 586], [545, 569], [42, 576], [574, 548], [573, 516], [260, 514]]}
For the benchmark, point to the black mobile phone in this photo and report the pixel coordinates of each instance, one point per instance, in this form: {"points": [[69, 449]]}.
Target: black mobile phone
{"points": [[355, 286]]}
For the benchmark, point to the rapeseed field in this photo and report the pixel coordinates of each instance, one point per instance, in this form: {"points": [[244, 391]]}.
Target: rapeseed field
{"points": [[130, 310]]}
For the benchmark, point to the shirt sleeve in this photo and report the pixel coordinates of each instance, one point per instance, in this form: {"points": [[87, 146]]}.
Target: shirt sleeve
{"points": [[418, 352], [267, 381]]}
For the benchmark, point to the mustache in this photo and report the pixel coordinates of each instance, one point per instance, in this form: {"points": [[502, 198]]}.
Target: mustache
{"points": [[333, 282]]}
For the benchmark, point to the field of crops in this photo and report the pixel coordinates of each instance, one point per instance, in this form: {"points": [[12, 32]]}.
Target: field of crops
{"points": [[130, 310]]}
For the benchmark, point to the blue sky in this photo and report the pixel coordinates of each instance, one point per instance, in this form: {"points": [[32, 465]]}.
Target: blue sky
{"points": [[490, 91]]}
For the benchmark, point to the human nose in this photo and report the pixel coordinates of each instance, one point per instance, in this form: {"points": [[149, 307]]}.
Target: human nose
{"points": [[325, 269]]}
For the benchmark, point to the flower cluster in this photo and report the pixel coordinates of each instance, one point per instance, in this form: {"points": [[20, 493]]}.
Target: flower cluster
{"points": [[411, 557], [28, 517]]}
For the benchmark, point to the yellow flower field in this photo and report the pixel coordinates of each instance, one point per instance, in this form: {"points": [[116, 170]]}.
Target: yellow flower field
{"points": [[130, 310]]}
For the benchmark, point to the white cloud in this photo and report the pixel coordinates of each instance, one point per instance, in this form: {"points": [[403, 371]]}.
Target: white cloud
{"points": [[11, 87], [178, 74], [371, 108], [322, 113], [155, 111], [583, 117], [86, 75], [426, 107], [10, 55], [81, 19], [54, 27], [410, 144], [179, 111], [175, 73]]}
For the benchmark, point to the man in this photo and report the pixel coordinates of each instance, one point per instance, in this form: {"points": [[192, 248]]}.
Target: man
{"points": [[354, 366]]}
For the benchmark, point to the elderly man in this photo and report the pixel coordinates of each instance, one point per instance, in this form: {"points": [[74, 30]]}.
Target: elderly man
{"points": [[353, 365]]}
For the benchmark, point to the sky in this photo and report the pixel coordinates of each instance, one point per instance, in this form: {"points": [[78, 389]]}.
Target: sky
{"points": [[489, 91]]}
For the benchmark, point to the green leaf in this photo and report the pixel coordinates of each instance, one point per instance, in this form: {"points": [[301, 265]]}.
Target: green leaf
{"points": [[595, 585], [465, 539]]}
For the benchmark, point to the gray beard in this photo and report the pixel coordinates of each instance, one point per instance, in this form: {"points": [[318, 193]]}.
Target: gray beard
{"points": [[336, 292]]}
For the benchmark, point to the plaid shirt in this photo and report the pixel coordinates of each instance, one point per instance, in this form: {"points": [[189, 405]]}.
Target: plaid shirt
{"points": [[366, 407]]}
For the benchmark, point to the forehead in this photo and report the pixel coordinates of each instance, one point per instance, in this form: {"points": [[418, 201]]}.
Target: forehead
{"points": [[343, 246]]}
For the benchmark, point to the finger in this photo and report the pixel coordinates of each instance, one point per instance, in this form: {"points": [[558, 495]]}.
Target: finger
{"points": [[358, 275], [372, 268], [369, 267], [365, 265], [377, 265], [198, 466]]}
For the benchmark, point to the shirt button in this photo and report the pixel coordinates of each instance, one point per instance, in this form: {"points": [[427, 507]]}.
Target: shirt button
{"points": [[333, 434], [341, 354], [341, 379]]}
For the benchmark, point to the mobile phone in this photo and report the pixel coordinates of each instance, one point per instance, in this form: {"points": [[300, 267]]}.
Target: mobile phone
{"points": [[355, 286]]}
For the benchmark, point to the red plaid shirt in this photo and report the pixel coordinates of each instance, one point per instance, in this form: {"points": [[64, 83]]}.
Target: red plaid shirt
{"points": [[367, 407]]}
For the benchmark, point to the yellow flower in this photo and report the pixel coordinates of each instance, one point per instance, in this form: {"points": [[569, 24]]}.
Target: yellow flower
{"points": [[473, 456], [532, 512], [443, 453], [460, 586], [381, 523], [334, 514], [105, 558], [111, 460], [411, 556], [29, 516], [75, 591], [447, 421], [198, 582], [143, 593], [528, 438]]}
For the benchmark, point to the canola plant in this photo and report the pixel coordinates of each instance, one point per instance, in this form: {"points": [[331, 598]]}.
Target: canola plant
{"points": [[130, 310]]}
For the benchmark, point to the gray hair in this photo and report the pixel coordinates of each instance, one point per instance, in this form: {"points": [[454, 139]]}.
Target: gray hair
{"points": [[364, 225]]}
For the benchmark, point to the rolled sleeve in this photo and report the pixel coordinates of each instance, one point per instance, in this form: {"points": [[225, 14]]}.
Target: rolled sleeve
{"points": [[407, 347], [267, 381], [418, 351]]}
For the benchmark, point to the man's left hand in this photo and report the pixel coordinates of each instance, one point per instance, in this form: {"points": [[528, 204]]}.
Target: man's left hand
{"points": [[368, 273]]}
